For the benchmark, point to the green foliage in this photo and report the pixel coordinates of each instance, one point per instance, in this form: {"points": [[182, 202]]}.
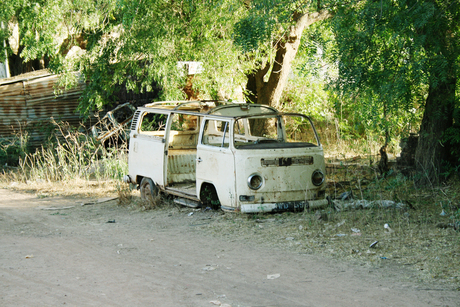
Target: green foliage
{"points": [[152, 37], [49, 27], [312, 70], [266, 21], [264, 29], [13, 149], [382, 57], [310, 90], [390, 55]]}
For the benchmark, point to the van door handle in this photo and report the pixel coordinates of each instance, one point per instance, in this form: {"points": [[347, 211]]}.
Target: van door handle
{"points": [[198, 160]]}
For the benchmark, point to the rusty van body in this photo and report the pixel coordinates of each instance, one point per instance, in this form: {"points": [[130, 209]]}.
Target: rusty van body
{"points": [[238, 156]]}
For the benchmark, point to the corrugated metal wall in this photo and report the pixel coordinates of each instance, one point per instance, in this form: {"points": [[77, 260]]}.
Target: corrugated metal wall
{"points": [[28, 102]]}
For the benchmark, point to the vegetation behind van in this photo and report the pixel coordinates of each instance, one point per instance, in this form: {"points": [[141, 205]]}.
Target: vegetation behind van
{"points": [[236, 156]]}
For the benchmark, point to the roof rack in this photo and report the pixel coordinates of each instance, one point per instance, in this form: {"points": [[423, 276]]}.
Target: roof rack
{"points": [[243, 106], [177, 105], [214, 107]]}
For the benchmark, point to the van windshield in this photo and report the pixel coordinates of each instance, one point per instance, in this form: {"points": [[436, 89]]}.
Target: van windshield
{"points": [[286, 131]]}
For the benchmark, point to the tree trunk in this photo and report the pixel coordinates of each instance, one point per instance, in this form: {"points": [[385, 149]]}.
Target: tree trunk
{"points": [[269, 92], [438, 116]]}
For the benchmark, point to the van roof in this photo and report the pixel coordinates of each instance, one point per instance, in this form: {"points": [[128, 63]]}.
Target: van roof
{"points": [[215, 107], [201, 106]]}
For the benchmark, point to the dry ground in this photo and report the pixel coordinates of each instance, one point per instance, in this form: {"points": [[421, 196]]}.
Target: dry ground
{"points": [[53, 251]]}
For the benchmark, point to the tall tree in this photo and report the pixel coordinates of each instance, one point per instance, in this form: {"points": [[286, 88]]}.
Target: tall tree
{"points": [[270, 36], [405, 54]]}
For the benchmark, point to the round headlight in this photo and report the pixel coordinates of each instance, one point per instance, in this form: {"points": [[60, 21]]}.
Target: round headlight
{"points": [[255, 181], [317, 177]]}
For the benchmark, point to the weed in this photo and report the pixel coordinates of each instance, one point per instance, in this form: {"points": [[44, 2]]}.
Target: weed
{"points": [[124, 193], [158, 201], [12, 149]]}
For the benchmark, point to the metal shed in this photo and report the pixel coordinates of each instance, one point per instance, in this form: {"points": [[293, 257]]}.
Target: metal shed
{"points": [[28, 101]]}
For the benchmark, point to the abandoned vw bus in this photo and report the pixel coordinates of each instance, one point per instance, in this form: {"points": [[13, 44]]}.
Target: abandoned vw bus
{"points": [[236, 156]]}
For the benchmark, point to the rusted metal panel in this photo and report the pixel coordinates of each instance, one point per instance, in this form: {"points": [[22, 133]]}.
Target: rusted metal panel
{"points": [[29, 101]]}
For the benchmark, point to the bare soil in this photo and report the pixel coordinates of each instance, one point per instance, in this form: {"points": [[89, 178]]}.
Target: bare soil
{"points": [[54, 251]]}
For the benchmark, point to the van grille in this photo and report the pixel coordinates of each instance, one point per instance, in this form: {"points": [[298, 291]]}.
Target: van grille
{"points": [[306, 160]]}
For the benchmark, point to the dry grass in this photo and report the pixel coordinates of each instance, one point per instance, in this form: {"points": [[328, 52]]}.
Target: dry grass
{"points": [[157, 202], [72, 163], [414, 242], [72, 187], [129, 196], [125, 195]]}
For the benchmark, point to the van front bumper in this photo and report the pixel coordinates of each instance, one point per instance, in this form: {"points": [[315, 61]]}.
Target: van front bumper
{"points": [[284, 206]]}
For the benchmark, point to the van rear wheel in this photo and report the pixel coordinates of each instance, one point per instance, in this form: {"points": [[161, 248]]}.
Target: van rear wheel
{"points": [[148, 190]]}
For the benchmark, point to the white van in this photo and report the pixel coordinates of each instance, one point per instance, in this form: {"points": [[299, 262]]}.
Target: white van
{"points": [[236, 156]]}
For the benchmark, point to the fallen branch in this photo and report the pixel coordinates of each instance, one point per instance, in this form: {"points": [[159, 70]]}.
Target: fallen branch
{"points": [[99, 201], [54, 208]]}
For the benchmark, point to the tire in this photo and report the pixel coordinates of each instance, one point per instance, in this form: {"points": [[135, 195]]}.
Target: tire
{"points": [[148, 190]]}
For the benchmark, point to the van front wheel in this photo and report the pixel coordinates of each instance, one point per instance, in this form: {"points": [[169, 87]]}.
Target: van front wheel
{"points": [[148, 189]]}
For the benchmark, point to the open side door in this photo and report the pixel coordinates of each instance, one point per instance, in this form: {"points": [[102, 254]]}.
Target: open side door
{"points": [[147, 147]]}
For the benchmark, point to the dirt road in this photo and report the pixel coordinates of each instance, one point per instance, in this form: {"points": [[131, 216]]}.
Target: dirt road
{"points": [[106, 255]]}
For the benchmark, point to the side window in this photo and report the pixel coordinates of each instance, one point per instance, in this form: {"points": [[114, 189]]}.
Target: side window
{"points": [[184, 122], [216, 133], [153, 124]]}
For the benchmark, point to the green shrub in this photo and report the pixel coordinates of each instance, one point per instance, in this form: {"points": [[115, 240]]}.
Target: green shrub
{"points": [[12, 149]]}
